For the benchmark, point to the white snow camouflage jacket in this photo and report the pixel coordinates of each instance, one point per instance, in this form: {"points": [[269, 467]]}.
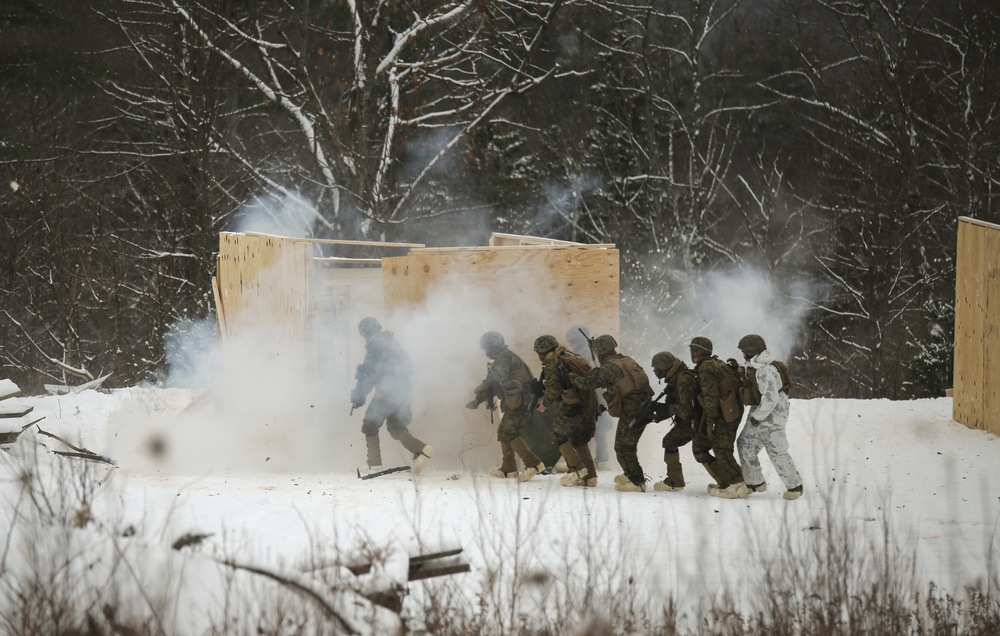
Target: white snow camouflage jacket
{"points": [[773, 407]]}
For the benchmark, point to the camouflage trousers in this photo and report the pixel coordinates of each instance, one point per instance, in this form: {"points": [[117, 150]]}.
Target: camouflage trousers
{"points": [[511, 424], [626, 445], [573, 426], [770, 437], [723, 440], [681, 434]]}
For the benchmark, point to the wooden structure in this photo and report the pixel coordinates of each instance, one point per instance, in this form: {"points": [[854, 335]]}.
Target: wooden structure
{"points": [[276, 289], [977, 326]]}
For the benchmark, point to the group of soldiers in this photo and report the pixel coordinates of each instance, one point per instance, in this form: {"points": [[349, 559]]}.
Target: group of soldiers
{"points": [[705, 403]]}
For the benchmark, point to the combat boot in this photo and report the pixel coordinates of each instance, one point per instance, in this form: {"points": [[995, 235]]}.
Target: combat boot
{"points": [[499, 474], [761, 487], [675, 473], [621, 479], [793, 493], [421, 459], [561, 466], [587, 460], [629, 486], [735, 490], [575, 478], [531, 471]]}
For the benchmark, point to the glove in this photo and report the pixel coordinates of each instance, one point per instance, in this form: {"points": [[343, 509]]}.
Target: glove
{"points": [[357, 400], [472, 405]]}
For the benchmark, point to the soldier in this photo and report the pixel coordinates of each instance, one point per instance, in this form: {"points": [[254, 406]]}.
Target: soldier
{"points": [[766, 394], [719, 421], [680, 404], [574, 424], [508, 379], [388, 370], [627, 391], [577, 339]]}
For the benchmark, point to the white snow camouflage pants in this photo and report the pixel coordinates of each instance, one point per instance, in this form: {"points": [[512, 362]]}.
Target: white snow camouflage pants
{"points": [[767, 435]]}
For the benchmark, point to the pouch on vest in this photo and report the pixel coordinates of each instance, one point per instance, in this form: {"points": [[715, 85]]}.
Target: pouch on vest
{"points": [[513, 394]]}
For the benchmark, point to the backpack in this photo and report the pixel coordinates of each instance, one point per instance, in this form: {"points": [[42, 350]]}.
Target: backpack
{"points": [[730, 404], [750, 392]]}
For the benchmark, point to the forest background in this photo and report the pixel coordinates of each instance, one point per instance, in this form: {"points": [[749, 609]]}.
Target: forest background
{"points": [[827, 146]]}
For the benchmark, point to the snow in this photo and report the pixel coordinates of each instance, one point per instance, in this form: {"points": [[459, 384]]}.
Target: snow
{"points": [[867, 465]]}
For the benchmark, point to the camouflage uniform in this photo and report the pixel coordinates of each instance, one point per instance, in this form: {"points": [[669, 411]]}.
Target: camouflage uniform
{"points": [[576, 421], [508, 379], [388, 370], [712, 424], [576, 341], [765, 429], [626, 406], [681, 406]]}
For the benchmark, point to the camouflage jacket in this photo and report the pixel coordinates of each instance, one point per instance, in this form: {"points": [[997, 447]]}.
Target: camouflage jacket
{"points": [[682, 395], [556, 373], [607, 376], [505, 367], [387, 368], [708, 389]]}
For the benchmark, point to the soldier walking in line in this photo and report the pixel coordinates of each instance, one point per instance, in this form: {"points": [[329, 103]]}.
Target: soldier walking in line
{"points": [[767, 384], [679, 404], [576, 341], [574, 424], [509, 380], [720, 418], [627, 390], [388, 370]]}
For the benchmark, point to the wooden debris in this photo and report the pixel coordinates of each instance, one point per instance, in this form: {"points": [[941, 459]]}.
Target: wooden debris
{"points": [[11, 436], [78, 452], [387, 471]]}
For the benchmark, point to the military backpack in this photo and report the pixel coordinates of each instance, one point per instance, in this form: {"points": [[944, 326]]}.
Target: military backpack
{"points": [[750, 391]]}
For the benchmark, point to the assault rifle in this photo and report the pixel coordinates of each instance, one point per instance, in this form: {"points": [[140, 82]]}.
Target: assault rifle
{"points": [[651, 407], [590, 345]]}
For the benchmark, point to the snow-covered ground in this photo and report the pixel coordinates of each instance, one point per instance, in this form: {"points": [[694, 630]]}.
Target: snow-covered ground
{"points": [[867, 466]]}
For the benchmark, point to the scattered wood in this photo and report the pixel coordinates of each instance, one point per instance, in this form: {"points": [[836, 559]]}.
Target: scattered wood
{"points": [[63, 389], [8, 389], [104, 459], [78, 452], [11, 436], [387, 471], [427, 566], [14, 410], [190, 538]]}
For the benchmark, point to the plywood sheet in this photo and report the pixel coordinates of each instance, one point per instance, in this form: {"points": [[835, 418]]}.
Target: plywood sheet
{"points": [[540, 291], [967, 406], [265, 286], [991, 331]]}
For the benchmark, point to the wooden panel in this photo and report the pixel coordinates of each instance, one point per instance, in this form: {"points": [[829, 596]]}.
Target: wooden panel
{"points": [[265, 286], [536, 291], [991, 331], [969, 318], [345, 295]]}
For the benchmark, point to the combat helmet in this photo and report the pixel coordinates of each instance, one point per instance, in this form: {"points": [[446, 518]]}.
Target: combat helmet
{"points": [[701, 344], [604, 344], [751, 345], [544, 344], [491, 342], [663, 361], [368, 326]]}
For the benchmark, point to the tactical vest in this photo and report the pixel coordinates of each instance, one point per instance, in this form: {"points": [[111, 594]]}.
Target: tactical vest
{"points": [[515, 391], [730, 405], [634, 379], [750, 391], [578, 365]]}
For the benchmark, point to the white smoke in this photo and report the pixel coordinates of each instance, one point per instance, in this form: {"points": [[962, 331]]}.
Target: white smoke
{"points": [[285, 214]]}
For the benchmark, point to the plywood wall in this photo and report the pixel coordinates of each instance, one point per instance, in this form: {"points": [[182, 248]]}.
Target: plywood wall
{"points": [[540, 289], [265, 284], [977, 326]]}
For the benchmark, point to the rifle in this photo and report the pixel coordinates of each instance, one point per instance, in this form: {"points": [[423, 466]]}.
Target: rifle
{"points": [[590, 345], [648, 409]]}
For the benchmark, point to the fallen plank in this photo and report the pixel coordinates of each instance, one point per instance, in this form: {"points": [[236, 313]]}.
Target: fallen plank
{"points": [[8, 389], [92, 457], [11, 436], [387, 471], [14, 410]]}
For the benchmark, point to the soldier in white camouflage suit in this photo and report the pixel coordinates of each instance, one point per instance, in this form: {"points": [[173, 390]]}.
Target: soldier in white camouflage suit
{"points": [[765, 427]]}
